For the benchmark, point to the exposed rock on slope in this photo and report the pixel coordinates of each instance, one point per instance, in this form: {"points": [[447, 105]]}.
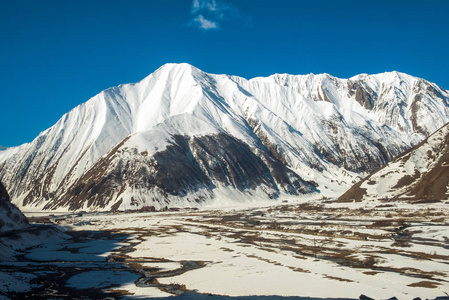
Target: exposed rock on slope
{"points": [[189, 167], [182, 137], [420, 174], [10, 216]]}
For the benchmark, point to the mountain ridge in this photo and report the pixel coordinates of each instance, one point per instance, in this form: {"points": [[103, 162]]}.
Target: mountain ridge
{"points": [[326, 132], [417, 175]]}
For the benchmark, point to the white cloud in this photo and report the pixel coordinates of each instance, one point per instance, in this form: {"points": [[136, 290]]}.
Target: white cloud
{"points": [[195, 6], [208, 13], [208, 5], [204, 23]]}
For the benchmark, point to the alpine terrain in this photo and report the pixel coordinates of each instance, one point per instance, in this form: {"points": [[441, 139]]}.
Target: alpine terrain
{"points": [[182, 137], [418, 175], [10, 217]]}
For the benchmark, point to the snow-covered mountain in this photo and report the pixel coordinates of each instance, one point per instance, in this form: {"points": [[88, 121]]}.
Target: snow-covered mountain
{"points": [[10, 217], [183, 137], [418, 175]]}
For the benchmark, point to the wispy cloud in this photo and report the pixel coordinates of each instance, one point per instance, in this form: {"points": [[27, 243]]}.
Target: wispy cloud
{"points": [[198, 5], [207, 14], [204, 23]]}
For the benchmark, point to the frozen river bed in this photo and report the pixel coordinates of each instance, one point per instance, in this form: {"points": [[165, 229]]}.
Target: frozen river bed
{"points": [[327, 250]]}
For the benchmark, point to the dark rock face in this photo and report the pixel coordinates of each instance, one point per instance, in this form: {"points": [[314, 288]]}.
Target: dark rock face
{"points": [[231, 162], [364, 95], [176, 170], [10, 216], [188, 165]]}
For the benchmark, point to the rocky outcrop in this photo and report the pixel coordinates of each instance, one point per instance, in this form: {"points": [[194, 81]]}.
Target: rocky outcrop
{"points": [[11, 217]]}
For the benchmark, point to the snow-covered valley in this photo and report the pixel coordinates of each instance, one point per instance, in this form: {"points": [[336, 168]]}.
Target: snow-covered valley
{"points": [[308, 249]]}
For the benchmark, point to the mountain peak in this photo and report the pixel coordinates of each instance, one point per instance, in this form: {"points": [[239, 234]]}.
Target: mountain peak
{"points": [[390, 77], [180, 137], [179, 68]]}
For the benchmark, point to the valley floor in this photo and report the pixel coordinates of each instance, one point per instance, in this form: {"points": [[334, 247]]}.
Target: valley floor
{"points": [[322, 250]]}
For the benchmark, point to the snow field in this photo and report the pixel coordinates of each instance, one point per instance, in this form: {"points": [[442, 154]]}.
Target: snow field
{"points": [[242, 261]]}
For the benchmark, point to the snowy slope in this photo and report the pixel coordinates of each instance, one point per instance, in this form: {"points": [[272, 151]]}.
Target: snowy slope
{"points": [[183, 137], [419, 174], [10, 217]]}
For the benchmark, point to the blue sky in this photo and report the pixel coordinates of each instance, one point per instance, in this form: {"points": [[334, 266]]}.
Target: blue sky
{"points": [[57, 54]]}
